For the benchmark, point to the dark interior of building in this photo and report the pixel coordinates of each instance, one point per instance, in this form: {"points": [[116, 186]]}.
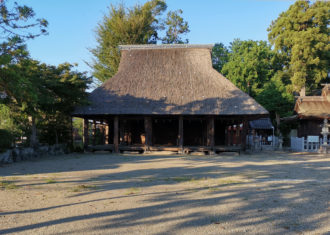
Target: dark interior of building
{"points": [[219, 132], [194, 132], [131, 131], [165, 132]]}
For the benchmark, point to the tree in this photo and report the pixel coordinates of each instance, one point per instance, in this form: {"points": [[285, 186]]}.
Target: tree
{"points": [[17, 23], [220, 55], [137, 25], [15, 20], [65, 90], [176, 26], [301, 35], [276, 98], [46, 96], [140, 24], [250, 65]]}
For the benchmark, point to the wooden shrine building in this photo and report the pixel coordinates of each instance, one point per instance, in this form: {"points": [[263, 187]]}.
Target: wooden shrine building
{"points": [[167, 97], [311, 112]]}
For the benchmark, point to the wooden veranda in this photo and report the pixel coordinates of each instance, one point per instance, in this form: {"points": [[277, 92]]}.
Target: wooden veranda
{"points": [[182, 134]]}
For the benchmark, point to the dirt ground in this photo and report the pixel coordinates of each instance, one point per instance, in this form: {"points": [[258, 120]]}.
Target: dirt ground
{"points": [[264, 193]]}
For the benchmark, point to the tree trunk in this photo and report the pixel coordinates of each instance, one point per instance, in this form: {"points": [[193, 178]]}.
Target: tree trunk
{"points": [[278, 122], [56, 137], [33, 137]]}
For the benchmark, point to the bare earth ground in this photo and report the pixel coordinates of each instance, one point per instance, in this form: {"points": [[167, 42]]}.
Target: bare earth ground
{"points": [[265, 193]]}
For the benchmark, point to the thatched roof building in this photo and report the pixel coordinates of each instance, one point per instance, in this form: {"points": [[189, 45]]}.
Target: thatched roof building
{"points": [[314, 106], [311, 111], [173, 81], [169, 79]]}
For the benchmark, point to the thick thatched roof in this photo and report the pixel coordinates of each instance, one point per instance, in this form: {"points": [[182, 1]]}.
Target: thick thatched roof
{"points": [[169, 79], [314, 106]]}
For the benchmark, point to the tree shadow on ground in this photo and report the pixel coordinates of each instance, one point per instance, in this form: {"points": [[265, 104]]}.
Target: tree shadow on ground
{"points": [[281, 195]]}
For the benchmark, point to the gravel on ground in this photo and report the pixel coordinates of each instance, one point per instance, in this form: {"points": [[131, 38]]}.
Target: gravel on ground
{"points": [[100, 193]]}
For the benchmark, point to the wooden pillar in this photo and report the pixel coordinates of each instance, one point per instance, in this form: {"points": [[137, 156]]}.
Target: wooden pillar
{"points": [[228, 136], [116, 134], [244, 134], [148, 132], [94, 132], [180, 136], [107, 132], [71, 134], [210, 133], [85, 135]]}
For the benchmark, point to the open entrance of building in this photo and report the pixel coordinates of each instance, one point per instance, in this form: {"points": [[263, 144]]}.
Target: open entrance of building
{"points": [[194, 132], [131, 132], [165, 131], [220, 132]]}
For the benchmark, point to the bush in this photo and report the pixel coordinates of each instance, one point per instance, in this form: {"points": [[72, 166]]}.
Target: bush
{"points": [[6, 139]]}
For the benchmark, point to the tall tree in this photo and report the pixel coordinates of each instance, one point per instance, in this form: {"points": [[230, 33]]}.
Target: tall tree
{"points": [[301, 35], [220, 54], [140, 24], [250, 65], [137, 25], [17, 23], [175, 26], [276, 98]]}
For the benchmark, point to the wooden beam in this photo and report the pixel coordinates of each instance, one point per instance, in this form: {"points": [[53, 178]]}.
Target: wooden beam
{"points": [[94, 131], [244, 134], [210, 132], [107, 132], [116, 134], [85, 135], [148, 132], [180, 135]]}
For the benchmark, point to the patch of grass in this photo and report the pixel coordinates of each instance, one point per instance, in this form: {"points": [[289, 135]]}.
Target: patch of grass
{"points": [[84, 187], [150, 179], [51, 181], [213, 189], [7, 185], [229, 181], [180, 179], [132, 191], [199, 180]]}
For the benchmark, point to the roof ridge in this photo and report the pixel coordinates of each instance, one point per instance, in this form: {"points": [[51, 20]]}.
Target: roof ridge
{"points": [[164, 46]]}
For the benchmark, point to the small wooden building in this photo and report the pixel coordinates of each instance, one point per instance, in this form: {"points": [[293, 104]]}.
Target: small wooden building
{"points": [[311, 112], [168, 97]]}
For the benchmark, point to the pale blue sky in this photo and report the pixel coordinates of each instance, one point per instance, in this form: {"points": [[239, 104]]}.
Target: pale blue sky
{"points": [[72, 24]]}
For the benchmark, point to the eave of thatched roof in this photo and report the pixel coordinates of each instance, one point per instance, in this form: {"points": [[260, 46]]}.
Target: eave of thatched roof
{"points": [[314, 106], [261, 124], [168, 80]]}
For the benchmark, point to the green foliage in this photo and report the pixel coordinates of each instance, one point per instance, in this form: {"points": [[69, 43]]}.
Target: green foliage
{"points": [[301, 35], [275, 97], [6, 140], [78, 124], [257, 70], [61, 90], [49, 95], [16, 19], [176, 26], [40, 94], [220, 55], [140, 24], [250, 65], [11, 121], [137, 25]]}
